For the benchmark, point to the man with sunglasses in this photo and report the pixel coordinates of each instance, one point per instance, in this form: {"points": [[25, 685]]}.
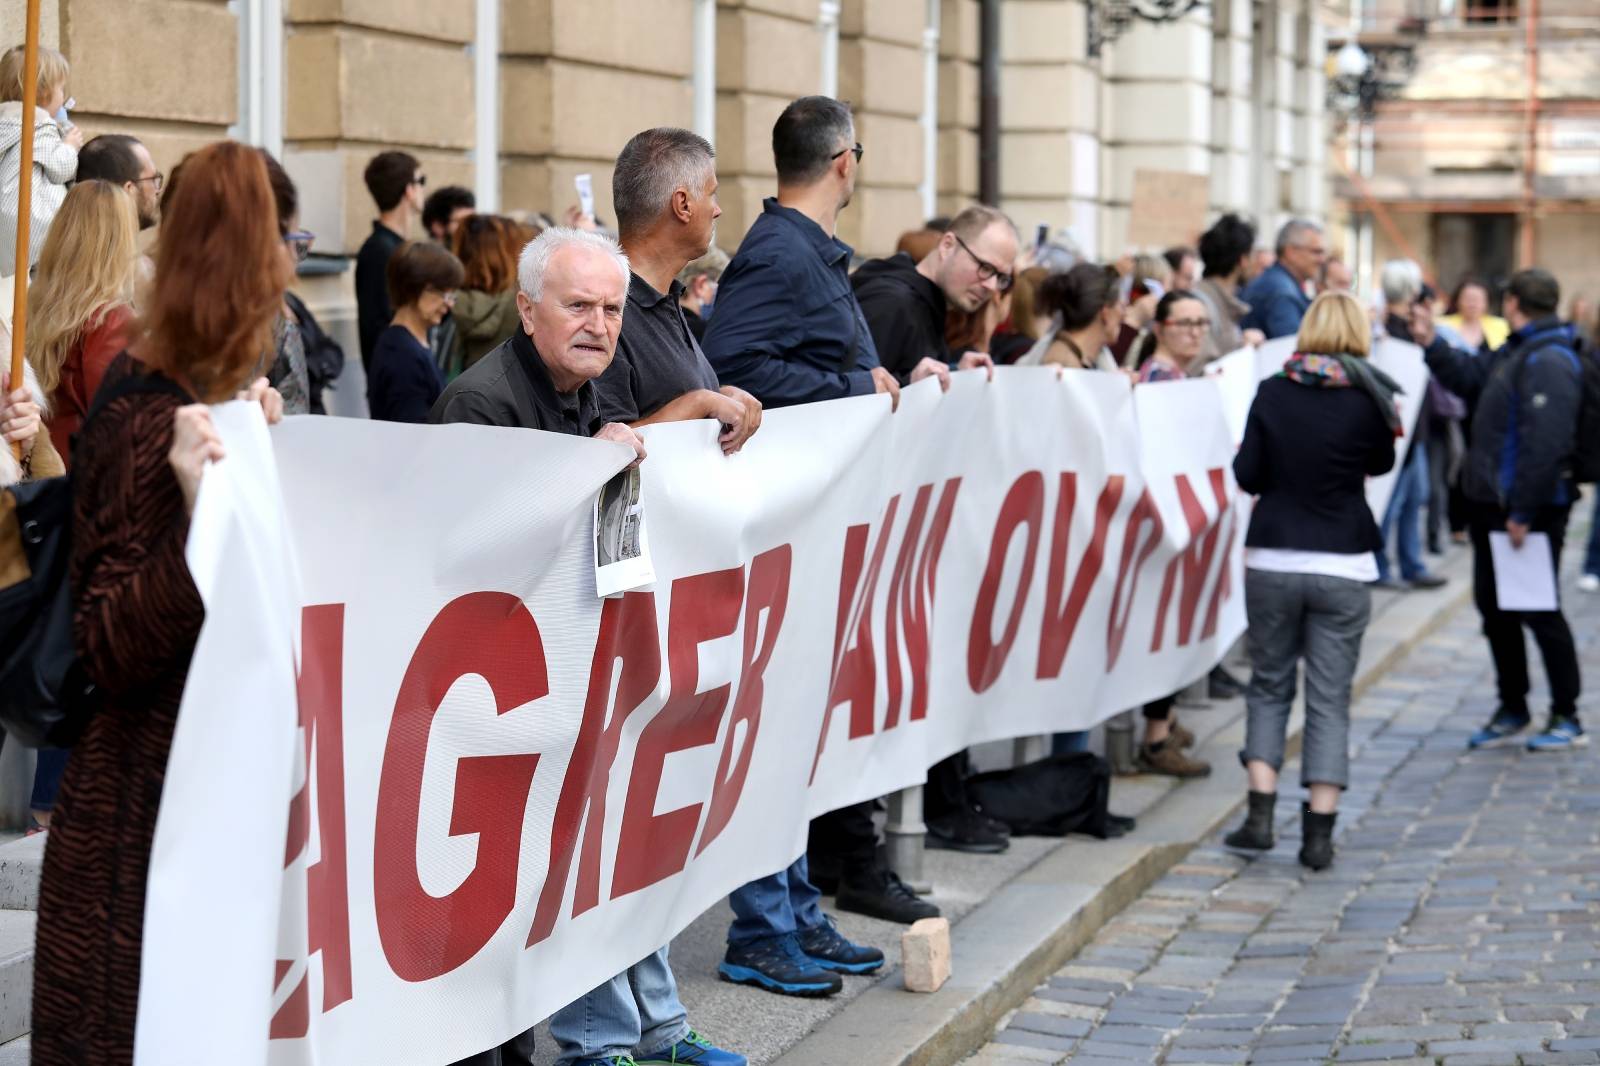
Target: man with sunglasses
{"points": [[397, 184], [906, 301]]}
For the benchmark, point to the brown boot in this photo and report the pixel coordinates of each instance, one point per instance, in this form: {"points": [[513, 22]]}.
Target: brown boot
{"points": [[1179, 736], [1170, 761]]}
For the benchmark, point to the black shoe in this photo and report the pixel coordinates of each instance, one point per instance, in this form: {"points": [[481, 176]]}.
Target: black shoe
{"points": [[881, 894], [1316, 839], [966, 831], [1223, 686], [1119, 825], [832, 950], [1428, 581], [996, 826], [1256, 832]]}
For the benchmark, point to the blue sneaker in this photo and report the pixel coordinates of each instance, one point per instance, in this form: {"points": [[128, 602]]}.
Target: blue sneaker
{"points": [[614, 1060], [693, 1048], [1502, 727], [1563, 734], [777, 964], [828, 948]]}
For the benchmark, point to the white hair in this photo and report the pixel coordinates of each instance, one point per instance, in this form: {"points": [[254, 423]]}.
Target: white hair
{"points": [[536, 256], [1401, 281]]}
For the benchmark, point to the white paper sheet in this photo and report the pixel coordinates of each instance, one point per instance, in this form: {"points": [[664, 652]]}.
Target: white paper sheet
{"points": [[1524, 578]]}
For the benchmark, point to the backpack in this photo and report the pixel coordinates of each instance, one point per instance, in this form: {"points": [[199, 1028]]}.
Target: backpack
{"points": [[1586, 451], [1052, 797], [46, 695]]}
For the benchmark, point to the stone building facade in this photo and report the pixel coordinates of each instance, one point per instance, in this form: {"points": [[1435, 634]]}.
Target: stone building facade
{"points": [[1232, 89], [1461, 166]]}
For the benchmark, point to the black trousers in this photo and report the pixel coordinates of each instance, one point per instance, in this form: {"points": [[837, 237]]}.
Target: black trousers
{"points": [[518, 1051], [946, 792], [1160, 710], [1504, 628], [844, 842]]}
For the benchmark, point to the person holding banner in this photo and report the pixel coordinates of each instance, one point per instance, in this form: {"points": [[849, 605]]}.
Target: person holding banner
{"points": [[572, 289], [137, 466], [1316, 431]]}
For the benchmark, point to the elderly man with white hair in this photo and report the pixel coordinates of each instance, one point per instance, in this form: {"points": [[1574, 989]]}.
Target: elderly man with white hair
{"points": [[1402, 285], [573, 286], [1277, 297]]}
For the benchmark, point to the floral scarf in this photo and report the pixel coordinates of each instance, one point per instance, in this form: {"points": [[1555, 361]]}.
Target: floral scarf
{"points": [[1344, 372]]}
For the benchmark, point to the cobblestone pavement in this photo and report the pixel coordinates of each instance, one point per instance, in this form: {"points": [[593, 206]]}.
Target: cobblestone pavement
{"points": [[1458, 924]]}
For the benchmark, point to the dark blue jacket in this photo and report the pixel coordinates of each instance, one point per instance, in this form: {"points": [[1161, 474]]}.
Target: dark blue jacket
{"points": [[1277, 303], [1525, 426], [787, 328]]}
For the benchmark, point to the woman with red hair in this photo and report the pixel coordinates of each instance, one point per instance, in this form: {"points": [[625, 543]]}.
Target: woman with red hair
{"points": [[136, 468]]}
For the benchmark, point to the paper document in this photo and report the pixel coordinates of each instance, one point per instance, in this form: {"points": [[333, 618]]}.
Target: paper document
{"points": [[1525, 577], [621, 548]]}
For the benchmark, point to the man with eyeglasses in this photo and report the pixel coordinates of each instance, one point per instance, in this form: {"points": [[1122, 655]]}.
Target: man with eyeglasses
{"points": [[125, 161], [1277, 297], [396, 182], [905, 301]]}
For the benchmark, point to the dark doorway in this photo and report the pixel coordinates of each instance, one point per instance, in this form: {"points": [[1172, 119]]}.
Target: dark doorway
{"points": [[1481, 245]]}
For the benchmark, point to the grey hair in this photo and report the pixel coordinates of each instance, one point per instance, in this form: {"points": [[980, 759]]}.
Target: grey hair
{"points": [[535, 258], [650, 168], [1401, 281], [1292, 231], [711, 265]]}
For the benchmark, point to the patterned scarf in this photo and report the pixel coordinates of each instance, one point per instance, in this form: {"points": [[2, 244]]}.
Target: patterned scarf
{"points": [[1344, 372]]}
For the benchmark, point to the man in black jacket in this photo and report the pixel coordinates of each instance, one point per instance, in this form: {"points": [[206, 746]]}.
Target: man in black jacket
{"points": [[905, 301], [1518, 480]]}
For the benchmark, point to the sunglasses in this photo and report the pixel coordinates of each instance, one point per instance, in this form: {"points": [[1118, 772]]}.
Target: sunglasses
{"points": [[857, 149]]}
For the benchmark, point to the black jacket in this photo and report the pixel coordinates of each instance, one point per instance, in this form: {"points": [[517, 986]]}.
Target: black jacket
{"points": [[372, 288], [1525, 422], [1307, 454], [905, 312]]}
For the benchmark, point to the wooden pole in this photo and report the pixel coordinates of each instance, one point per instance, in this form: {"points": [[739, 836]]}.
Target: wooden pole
{"points": [[19, 304]]}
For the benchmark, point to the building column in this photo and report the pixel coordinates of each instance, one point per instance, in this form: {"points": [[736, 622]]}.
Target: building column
{"points": [[958, 105], [880, 73]]}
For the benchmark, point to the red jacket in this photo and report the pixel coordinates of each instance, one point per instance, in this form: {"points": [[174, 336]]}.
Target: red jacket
{"points": [[81, 373]]}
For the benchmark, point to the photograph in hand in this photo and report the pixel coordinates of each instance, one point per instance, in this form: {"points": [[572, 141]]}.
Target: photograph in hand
{"points": [[621, 551]]}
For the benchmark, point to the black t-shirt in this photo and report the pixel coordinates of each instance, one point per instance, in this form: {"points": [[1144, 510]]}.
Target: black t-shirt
{"points": [[373, 312], [657, 360], [511, 387]]}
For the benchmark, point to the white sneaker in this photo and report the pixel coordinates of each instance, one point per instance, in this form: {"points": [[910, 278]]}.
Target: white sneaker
{"points": [[1589, 583]]}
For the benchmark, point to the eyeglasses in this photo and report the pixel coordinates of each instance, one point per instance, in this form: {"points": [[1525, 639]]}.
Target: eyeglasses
{"points": [[420, 179], [857, 150], [156, 178], [449, 298], [1195, 324], [299, 243], [986, 269]]}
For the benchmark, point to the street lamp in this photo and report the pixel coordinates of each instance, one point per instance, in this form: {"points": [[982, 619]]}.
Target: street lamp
{"points": [[1108, 19]]}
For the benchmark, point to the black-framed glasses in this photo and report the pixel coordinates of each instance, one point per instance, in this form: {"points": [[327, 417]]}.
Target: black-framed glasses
{"points": [[857, 149], [986, 269], [300, 242], [420, 179], [157, 178]]}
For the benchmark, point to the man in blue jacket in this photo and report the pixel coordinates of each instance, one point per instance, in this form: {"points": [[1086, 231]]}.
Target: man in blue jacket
{"points": [[1277, 297], [1518, 480], [788, 330]]}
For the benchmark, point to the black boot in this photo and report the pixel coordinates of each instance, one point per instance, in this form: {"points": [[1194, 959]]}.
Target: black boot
{"points": [[1316, 839], [1256, 832]]}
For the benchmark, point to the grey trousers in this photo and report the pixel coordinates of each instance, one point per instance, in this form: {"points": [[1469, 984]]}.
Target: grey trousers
{"points": [[1320, 620]]}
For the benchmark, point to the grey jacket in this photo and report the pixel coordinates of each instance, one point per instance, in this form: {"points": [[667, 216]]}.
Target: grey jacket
{"points": [[55, 163]]}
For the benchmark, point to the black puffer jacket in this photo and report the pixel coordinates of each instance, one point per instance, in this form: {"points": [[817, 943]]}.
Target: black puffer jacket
{"points": [[1526, 398]]}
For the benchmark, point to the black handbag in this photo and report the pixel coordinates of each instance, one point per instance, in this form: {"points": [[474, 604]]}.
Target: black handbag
{"points": [[46, 698]]}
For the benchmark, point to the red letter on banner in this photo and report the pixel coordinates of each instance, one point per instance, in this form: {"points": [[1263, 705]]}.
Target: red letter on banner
{"points": [[1144, 513], [769, 593], [628, 634], [320, 687], [1195, 562], [1024, 504], [653, 846], [1061, 620], [911, 601], [855, 676], [493, 635]]}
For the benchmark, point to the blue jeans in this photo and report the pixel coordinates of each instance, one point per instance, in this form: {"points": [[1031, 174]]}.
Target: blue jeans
{"points": [[1069, 743], [1405, 509], [786, 902], [1591, 558], [637, 1010]]}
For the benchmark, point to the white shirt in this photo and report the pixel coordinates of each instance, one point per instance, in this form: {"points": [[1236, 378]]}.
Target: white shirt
{"points": [[1361, 566]]}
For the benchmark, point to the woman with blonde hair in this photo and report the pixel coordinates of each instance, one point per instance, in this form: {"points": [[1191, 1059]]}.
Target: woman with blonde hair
{"points": [[1315, 433], [79, 305]]}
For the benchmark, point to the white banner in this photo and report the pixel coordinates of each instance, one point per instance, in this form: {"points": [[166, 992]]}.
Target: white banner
{"points": [[498, 790]]}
